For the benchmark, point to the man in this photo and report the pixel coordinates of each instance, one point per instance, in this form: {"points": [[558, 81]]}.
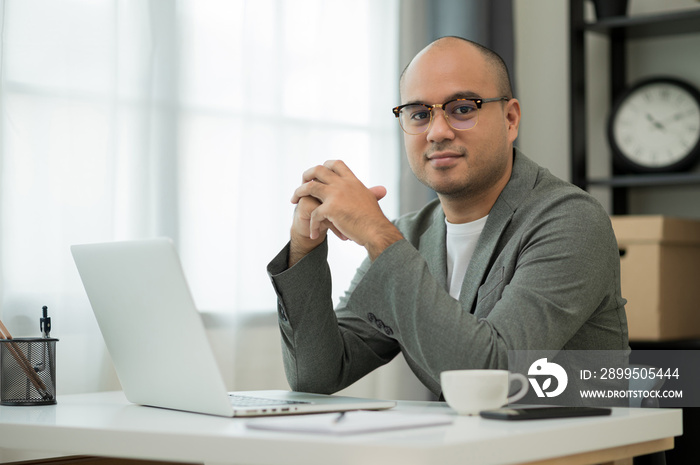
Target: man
{"points": [[508, 257]]}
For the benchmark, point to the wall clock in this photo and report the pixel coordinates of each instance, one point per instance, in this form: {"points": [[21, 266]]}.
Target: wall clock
{"points": [[654, 127]]}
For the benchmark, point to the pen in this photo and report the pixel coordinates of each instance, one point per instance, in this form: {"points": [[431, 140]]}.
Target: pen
{"points": [[45, 322]]}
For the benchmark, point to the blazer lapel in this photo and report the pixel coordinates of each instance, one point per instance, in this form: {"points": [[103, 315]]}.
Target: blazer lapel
{"points": [[432, 246], [523, 178], [499, 218]]}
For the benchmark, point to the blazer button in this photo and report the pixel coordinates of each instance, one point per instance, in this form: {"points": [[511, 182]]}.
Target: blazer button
{"points": [[380, 324], [388, 331], [371, 317]]}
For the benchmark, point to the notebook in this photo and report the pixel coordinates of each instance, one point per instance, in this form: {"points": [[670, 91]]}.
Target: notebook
{"points": [[157, 341], [351, 423]]}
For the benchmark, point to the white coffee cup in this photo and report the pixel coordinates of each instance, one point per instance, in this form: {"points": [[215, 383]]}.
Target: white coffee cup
{"points": [[471, 391]]}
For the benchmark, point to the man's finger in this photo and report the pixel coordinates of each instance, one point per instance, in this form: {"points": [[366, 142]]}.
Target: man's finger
{"points": [[319, 173], [309, 189], [339, 167], [305, 206], [317, 221], [378, 191]]}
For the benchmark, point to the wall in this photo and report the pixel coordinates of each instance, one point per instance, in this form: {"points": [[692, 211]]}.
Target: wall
{"points": [[541, 63], [541, 77], [541, 81]]}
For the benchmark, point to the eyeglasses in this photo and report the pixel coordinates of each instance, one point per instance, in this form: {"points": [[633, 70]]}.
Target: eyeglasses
{"points": [[461, 114]]}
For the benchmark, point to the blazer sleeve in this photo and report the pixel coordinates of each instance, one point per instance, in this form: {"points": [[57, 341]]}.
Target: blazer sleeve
{"points": [[321, 352]]}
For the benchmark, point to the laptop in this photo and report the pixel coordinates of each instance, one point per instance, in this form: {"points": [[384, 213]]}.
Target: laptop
{"points": [[158, 343]]}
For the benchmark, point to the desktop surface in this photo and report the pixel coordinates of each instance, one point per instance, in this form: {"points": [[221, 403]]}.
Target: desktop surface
{"points": [[106, 424]]}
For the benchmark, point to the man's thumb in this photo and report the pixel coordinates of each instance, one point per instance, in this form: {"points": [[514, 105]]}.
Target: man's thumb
{"points": [[378, 191]]}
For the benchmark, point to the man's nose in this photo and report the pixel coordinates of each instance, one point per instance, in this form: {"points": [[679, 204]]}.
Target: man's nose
{"points": [[440, 129]]}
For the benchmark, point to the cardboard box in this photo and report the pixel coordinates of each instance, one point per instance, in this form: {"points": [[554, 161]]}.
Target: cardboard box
{"points": [[660, 274]]}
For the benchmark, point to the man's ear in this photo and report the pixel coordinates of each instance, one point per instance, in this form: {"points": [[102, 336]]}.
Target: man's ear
{"points": [[512, 113]]}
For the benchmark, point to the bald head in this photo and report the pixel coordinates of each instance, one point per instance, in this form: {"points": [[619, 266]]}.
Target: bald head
{"points": [[496, 67]]}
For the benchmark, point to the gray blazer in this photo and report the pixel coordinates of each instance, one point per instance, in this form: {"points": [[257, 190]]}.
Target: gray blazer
{"points": [[545, 276]]}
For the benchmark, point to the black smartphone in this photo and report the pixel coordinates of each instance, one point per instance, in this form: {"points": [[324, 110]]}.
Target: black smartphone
{"points": [[539, 413]]}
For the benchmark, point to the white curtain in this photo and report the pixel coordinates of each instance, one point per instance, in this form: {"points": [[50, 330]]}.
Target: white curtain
{"points": [[192, 119]]}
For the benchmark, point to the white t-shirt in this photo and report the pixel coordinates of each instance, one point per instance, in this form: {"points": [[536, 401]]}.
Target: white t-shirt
{"points": [[461, 243]]}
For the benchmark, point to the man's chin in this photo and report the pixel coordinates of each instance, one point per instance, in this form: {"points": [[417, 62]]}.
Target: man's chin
{"points": [[450, 190]]}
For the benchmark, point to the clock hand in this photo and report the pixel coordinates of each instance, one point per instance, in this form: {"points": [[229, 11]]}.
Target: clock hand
{"points": [[655, 123]]}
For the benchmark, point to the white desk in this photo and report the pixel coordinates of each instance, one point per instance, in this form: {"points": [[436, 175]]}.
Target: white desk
{"points": [[105, 424]]}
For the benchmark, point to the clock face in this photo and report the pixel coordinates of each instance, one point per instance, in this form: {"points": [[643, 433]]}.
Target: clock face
{"points": [[656, 126]]}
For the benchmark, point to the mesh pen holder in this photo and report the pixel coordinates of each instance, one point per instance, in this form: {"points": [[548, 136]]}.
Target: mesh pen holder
{"points": [[28, 371]]}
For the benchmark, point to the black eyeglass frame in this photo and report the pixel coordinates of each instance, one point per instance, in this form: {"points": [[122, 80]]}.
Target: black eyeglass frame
{"points": [[477, 101]]}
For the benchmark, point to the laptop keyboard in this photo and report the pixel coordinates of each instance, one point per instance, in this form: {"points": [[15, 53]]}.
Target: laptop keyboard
{"points": [[249, 401]]}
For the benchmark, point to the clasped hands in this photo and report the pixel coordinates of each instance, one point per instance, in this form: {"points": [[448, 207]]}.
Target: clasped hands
{"points": [[331, 197]]}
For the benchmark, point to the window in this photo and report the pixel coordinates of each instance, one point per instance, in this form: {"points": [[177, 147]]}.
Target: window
{"points": [[191, 119]]}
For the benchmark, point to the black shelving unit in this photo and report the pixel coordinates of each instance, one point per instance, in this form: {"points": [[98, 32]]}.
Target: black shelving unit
{"points": [[619, 30]]}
